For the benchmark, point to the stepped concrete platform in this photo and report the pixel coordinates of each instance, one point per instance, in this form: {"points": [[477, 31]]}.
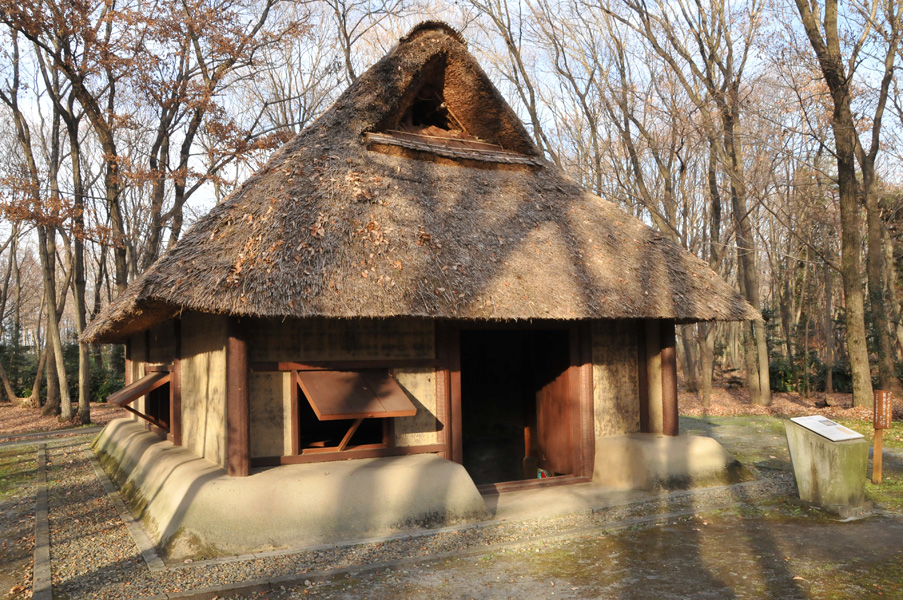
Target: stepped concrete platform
{"points": [[191, 507], [647, 461]]}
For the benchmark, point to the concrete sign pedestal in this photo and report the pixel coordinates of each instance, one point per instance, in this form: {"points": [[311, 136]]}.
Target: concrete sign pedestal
{"points": [[830, 475]]}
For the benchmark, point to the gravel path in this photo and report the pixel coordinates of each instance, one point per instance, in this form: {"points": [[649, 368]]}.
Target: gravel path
{"points": [[93, 555]]}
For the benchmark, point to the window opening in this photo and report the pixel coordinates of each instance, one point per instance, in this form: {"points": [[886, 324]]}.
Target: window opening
{"points": [[155, 387], [346, 408]]}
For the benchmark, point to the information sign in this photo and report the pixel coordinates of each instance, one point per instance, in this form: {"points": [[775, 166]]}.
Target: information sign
{"points": [[827, 428], [884, 410]]}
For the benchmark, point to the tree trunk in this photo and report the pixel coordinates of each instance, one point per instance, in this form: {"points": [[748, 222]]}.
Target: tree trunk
{"points": [[691, 365], [893, 298], [829, 328], [79, 281], [832, 63], [7, 385], [851, 263], [48, 256], [707, 345], [755, 346], [52, 401], [877, 288], [34, 399]]}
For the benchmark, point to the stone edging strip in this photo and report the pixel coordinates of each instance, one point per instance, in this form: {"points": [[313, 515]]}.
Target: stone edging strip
{"points": [[52, 433], [41, 583], [148, 552]]}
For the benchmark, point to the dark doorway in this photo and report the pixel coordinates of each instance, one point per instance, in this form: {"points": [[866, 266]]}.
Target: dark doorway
{"points": [[516, 406]]}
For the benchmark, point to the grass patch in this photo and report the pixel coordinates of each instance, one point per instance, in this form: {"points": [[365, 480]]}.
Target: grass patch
{"points": [[893, 437], [883, 580], [17, 468], [889, 494]]}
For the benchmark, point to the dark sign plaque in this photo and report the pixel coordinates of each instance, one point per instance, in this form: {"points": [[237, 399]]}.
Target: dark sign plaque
{"points": [[884, 410]]}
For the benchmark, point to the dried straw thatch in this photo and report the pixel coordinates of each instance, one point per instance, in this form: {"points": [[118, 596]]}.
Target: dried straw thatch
{"points": [[365, 215]]}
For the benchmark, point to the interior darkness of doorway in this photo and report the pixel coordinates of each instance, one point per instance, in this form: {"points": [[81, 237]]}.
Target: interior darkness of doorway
{"points": [[501, 373]]}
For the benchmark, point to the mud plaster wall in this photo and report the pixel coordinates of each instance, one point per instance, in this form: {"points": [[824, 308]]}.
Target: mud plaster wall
{"points": [[271, 412], [422, 428], [615, 385], [161, 343], [138, 351], [204, 385], [302, 340]]}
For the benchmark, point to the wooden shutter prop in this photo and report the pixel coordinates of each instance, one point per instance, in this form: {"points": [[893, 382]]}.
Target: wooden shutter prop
{"points": [[358, 395]]}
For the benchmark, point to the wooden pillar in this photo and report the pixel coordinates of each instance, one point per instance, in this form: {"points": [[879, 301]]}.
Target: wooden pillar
{"points": [[127, 376], [669, 378], [642, 377], [443, 390], [587, 401], [449, 355], [652, 329], [295, 399], [238, 431], [175, 385]]}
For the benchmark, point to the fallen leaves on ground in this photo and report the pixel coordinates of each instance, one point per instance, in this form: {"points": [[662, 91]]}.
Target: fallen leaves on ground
{"points": [[734, 401], [15, 418]]}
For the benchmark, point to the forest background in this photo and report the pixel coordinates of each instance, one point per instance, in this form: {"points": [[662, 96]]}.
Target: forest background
{"points": [[764, 136]]}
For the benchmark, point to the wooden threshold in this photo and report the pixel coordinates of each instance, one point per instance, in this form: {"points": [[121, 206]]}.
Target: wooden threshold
{"points": [[493, 489]]}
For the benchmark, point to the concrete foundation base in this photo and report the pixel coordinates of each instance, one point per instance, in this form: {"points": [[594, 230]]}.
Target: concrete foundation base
{"points": [[190, 507], [829, 474], [646, 461]]}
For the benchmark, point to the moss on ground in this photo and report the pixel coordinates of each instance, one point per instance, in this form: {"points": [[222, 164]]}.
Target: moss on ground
{"points": [[17, 467]]}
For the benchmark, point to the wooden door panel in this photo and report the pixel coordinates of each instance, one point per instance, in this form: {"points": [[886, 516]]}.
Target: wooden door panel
{"points": [[554, 425]]}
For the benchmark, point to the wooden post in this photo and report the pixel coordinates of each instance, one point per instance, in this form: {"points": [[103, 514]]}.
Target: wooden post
{"points": [[127, 376], [587, 401], [877, 458], [175, 386], [454, 380], [642, 377], [295, 426], [882, 418], [669, 378], [238, 431]]}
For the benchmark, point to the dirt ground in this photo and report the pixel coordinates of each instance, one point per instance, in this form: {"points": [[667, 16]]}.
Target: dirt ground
{"points": [[777, 549], [15, 419], [753, 549], [709, 556]]}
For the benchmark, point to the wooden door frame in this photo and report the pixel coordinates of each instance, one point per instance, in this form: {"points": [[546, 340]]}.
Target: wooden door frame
{"points": [[580, 372]]}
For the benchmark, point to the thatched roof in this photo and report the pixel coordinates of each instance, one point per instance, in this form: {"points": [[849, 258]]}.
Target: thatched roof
{"points": [[375, 210]]}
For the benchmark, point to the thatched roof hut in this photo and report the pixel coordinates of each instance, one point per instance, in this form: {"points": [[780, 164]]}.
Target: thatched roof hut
{"points": [[409, 287], [341, 222]]}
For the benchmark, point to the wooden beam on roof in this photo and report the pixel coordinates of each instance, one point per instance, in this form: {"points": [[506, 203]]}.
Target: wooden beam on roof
{"points": [[238, 430]]}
